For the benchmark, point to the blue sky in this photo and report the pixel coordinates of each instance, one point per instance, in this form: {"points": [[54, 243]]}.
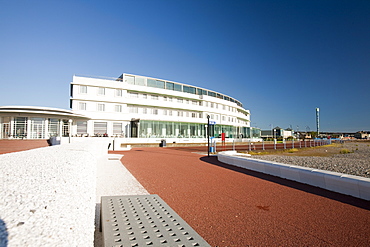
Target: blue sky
{"points": [[281, 59]]}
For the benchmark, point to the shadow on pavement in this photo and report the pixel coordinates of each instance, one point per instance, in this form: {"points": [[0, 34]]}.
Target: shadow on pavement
{"points": [[3, 234], [357, 202]]}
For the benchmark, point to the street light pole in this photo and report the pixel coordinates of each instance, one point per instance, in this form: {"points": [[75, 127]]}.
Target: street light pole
{"points": [[208, 133], [70, 130]]}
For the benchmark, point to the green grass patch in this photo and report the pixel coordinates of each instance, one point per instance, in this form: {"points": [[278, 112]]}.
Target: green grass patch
{"points": [[257, 153], [344, 151]]}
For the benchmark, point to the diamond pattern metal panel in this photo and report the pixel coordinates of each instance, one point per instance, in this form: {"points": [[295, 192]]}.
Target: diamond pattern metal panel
{"points": [[144, 220]]}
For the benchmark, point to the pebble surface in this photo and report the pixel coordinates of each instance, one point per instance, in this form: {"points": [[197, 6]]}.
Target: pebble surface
{"points": [[48, 196], [357, 162]]}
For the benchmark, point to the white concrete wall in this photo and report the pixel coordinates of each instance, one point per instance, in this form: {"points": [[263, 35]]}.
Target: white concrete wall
{"points": [[48, 195], [342, 183]]}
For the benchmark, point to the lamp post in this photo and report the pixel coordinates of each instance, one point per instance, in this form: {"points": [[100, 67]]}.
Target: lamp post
{"points": [[70, 129], [208, 133]]}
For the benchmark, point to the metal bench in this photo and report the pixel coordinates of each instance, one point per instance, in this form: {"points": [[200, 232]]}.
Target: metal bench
{"points": [[144, 220]]}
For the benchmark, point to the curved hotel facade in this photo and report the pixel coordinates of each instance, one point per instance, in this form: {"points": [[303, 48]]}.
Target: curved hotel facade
{"points": [[132, 106], [144, 107]]}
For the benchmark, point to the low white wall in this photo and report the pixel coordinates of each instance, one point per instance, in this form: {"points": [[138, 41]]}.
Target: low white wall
{"points": [[342, 183], [116, 142], [48, 195]]}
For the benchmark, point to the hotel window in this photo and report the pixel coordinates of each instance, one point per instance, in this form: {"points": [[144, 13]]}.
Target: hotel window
{"points": [[187, 89], [53, 127], [118, 93], [101, 107], [130, 79], [164, 112], [180, 114], [213, 94], [170, 113], [140, 81], [155, 83], [179, 100], [117, 128], [170, 99], [81, 127], [165, 98], [133, 95], [100, 128], [224, 107], [223, 118], [212, 104], [169, 86], [187, 101], [201, 91], [145, 110], [145, 96], [200, 115], [154, 97], [193, 115], [177, 87], [154, 111], [194, 102], [37, 127], [132, 109], [82, 106], [118, 108], [101, 91], [212, 116], [20, 126], [83, 89]]}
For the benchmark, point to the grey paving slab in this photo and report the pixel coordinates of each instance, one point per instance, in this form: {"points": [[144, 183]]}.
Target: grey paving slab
{"points": [[144, 220], [113, 179]]}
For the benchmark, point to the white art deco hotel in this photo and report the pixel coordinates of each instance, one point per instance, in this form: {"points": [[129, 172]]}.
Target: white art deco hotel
{"points": [[134, 106]]}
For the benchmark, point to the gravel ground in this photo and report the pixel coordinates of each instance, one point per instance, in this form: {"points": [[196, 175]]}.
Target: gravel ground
{"points": [[48, 196], [355, 163]]}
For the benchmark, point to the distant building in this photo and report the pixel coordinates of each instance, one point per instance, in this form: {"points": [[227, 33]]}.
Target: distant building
{"points": [[362, 135], [277, 132]]}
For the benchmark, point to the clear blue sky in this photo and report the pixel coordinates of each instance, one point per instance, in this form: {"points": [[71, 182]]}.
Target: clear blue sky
{"points": [[281, 59]]}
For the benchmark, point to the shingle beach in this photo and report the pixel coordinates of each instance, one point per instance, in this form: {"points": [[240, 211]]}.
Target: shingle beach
{"points": [[357, 162]]}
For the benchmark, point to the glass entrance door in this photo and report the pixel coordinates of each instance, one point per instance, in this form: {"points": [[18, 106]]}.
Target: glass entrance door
{"points": [[134, 128]]}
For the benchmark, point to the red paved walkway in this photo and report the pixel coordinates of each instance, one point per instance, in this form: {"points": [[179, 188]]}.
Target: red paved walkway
{"points": [[9, 146], [233, 207]]}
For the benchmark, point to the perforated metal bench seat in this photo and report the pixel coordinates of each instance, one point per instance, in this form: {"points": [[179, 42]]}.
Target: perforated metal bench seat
{"points": [[144, 220]]}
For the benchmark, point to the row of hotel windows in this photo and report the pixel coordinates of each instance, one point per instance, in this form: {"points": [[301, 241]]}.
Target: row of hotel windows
{"points": [[142, 81], [181, 100], [155, 129], [165, 112], [118, 93], [100, 91], [100, 128]]}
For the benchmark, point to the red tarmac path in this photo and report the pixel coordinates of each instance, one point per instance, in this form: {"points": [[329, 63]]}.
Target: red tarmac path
{"points": [[230, 206], [10, 146]]}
